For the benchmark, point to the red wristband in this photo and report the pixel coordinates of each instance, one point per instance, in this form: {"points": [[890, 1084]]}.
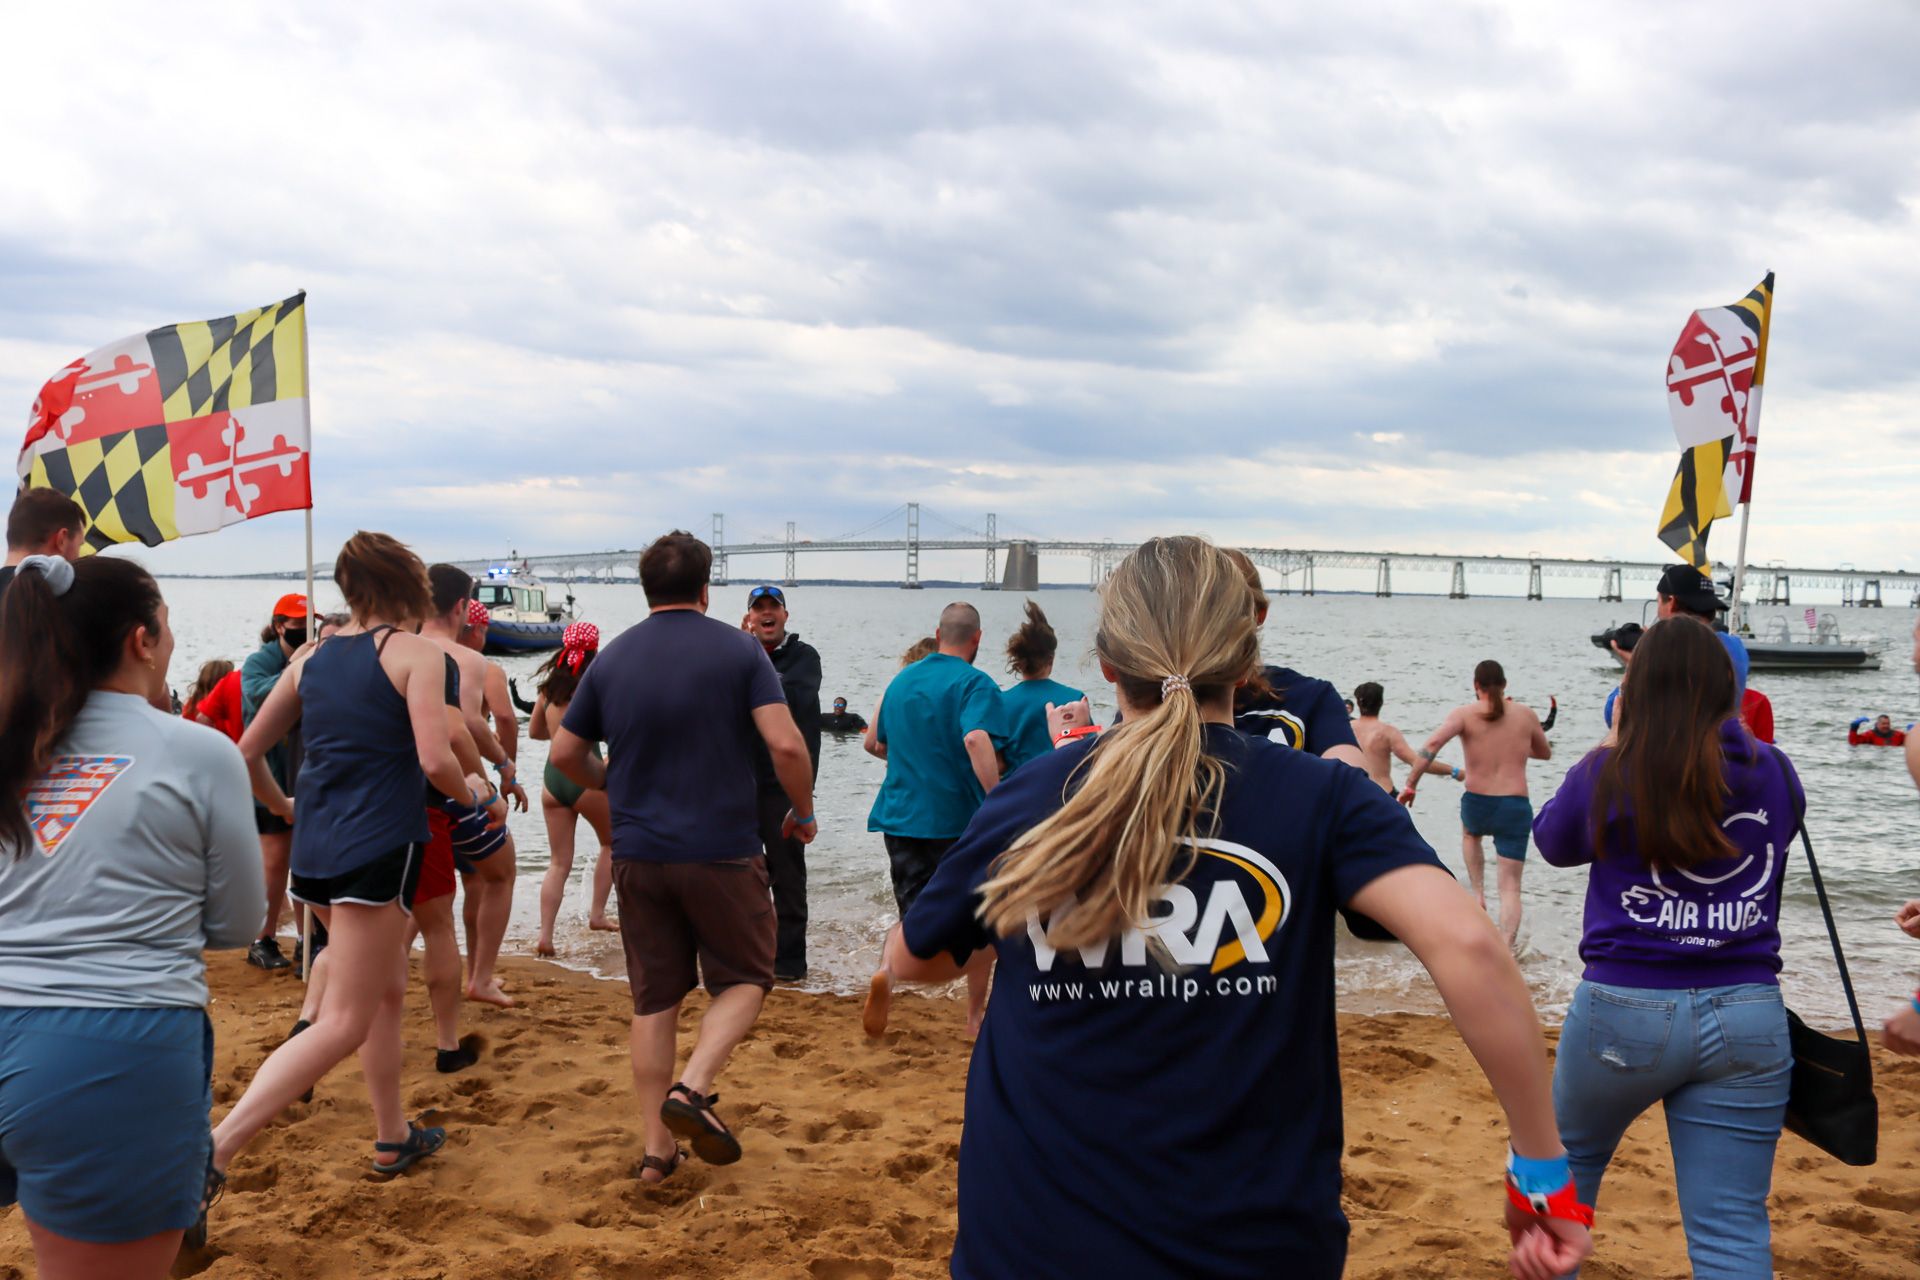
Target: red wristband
{"points": [[1563, 1204], [1078, 731]]}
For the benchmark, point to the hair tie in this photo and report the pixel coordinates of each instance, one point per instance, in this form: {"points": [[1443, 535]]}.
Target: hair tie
{"points": [[1171, 683], [57, 571]]}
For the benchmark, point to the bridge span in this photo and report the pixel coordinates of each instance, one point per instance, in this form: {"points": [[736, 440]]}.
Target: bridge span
{"points": [[1295, 567]]}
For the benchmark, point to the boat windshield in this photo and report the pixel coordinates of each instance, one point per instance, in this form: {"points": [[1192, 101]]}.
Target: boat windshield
{"points": [[491, 594]]}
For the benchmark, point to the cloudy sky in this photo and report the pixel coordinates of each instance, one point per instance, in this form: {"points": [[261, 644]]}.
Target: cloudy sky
{"points": [[1380, 279]]}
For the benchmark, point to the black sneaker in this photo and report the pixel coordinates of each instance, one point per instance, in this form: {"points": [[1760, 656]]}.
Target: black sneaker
{"points": [[790, 975], [265, 954]]}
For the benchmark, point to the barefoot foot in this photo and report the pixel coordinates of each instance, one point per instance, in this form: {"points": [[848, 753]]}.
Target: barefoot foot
{"points": [[873, 1018], [490, 994], [604, 925]]}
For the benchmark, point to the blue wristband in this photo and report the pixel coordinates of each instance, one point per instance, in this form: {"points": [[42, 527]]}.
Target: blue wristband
{"points": [[1916, 1002], [803, 822], [1538, 1177]]}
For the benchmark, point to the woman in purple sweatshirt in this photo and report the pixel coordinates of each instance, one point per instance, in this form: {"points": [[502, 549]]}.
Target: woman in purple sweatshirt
{"points": [[1684, 821]]}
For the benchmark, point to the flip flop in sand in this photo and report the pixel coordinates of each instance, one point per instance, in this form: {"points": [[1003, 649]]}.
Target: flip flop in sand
{"points": [[420, 1144], [663, 1167], [695, 1120]]}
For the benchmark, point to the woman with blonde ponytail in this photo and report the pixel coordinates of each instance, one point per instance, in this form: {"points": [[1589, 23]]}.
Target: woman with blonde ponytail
{"points": [[1155, 1091]]}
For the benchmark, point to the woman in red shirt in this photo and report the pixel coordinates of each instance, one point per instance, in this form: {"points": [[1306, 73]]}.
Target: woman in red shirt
{"points": [[216, 699]]}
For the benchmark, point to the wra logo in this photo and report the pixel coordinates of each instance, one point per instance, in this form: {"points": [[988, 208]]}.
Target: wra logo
{"points": [[1230, 926]]}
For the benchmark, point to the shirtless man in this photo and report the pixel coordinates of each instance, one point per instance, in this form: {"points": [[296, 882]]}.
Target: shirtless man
{"points": [[484, 856], [1380, 742], [497, 703], [1499, 737]]}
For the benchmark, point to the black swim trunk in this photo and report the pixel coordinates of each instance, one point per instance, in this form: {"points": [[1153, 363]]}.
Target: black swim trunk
{"points": [[912, 862], [391, 877]]}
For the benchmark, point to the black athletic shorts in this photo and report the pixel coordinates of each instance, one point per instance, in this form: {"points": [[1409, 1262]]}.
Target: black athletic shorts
{"points": [[391, 877], [912, 861], [269, 823]]}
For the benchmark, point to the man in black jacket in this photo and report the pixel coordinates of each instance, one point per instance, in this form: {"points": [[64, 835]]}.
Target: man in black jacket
{"points": [[799, 666]]}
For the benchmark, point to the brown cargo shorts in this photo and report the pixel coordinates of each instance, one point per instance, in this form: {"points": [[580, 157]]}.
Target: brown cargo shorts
{"points": [[675, 916]]}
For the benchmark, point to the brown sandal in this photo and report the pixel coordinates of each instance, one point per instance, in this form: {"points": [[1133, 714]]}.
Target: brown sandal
{"points": [[663, 1167], [712, 1141]]}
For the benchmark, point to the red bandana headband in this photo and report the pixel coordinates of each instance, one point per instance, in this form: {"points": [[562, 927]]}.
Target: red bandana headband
{"points": [[581, 639]]}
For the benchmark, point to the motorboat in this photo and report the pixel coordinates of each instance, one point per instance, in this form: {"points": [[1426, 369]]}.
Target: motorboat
{"points": [[1774, 648], [523, 617]]}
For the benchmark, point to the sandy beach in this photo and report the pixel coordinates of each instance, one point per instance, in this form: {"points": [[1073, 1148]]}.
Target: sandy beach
{"points": [[850, 1149]]}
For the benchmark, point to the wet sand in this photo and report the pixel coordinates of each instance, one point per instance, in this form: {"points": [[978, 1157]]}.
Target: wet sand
{"points": [[850, 1149]]}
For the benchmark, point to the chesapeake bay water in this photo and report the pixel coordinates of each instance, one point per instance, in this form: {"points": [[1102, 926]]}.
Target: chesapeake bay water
{"points": [[1865, 818]]}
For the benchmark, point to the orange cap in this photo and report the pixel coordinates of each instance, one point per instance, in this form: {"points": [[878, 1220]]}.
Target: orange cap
{"points": [[291, 605]]}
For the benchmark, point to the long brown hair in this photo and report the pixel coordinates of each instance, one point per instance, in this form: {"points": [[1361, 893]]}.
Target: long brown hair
{"points": [[382, 578], [211, 673], [1491, 678], [1031, 649], [54, 649], [1177, 607], [557, 683], [921, 648], [1666, 766], [1257, 685]]}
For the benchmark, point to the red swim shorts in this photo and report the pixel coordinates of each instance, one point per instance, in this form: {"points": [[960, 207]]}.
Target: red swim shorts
{"points": [[436, 869]]}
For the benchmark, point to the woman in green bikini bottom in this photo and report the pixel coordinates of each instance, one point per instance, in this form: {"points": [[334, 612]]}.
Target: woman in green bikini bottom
{"points": [[561, 802]]}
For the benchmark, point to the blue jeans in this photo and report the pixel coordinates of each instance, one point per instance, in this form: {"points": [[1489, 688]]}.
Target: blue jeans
{"points": [[1718, 1058]]}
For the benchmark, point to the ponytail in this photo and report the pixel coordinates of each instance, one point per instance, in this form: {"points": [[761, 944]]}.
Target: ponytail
{"points": [[1031, 649], [1491, 678], [55, 647], [1176, 628]]}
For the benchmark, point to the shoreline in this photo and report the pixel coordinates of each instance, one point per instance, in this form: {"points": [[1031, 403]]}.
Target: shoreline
{"points": [[850, 1156]]}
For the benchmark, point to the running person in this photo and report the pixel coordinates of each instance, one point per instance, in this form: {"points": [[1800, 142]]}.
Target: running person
{"points": [[1030, 655], [1161, 900], [1498, 736], [564, 802], [1382, 743], [1684, 821], [283, 636], [483, 854], [1300, 711], [133, 853], [375, 723]]}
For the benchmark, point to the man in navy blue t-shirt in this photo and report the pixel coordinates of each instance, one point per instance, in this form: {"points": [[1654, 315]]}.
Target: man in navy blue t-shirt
{"points": [[681, 701]]}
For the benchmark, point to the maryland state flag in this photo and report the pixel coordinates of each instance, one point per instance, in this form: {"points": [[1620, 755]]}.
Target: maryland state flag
{"points": [[1714, 379], [181, 430]]}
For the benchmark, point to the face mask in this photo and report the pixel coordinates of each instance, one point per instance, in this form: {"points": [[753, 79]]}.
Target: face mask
{"points": [[294, 636]]}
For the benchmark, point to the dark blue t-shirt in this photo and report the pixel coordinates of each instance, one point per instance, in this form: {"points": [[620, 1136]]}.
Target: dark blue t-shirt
{"points": [[673, 699], [1302, 712], [1126, 1119]]}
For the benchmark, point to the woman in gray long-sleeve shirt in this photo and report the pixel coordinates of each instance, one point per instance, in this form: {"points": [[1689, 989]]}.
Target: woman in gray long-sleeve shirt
{"points": [[126, 848]]}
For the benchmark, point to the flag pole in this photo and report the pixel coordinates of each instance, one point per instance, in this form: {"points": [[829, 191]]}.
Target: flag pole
{"points": [[1755, 395], [1740, 565], [313, 617]]}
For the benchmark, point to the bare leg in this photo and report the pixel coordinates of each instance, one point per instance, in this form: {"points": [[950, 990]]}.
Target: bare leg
{"points": [[979, 980], [380, 1055], [728, 1019], [441, 968], [1509, 871], [1476, 856], [275, 849], [59, 1258], [553, 889], [593, 807], [495, 909], [365, 956], [471, 891], [316, 988], [651, 1050]]}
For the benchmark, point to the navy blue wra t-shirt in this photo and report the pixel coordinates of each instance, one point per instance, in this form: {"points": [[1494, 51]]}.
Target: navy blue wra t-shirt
{"points": [[673, 699], [1303, 712], [1128, 1119]]}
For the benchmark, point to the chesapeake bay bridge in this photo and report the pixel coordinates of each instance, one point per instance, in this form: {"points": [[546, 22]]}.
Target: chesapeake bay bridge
{"points": [[1011, 562]]}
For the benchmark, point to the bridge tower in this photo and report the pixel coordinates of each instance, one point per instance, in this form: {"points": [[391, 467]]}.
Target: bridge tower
{"points": [[719, 575], [1870, 594], [1383, 579], [1306, 577], [992, 581], [1534, 591], [1610, 585], [790, 578], [913, 547], [1779, 590], [1458, 591]]}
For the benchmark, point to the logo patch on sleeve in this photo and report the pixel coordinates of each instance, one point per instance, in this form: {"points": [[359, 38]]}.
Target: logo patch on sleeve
{"points": [[57, 802]]}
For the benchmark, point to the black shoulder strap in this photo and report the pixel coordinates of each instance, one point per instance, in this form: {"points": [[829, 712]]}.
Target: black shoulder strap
{"points": [[385, 632], [1826, 910]]}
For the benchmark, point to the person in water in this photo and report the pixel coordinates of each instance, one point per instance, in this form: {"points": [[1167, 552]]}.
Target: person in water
{"points": [[841, 720], [1030, 655], [1882, 734], [1381, 743], [1499, 737], [564, 802], [1161, 901]]}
